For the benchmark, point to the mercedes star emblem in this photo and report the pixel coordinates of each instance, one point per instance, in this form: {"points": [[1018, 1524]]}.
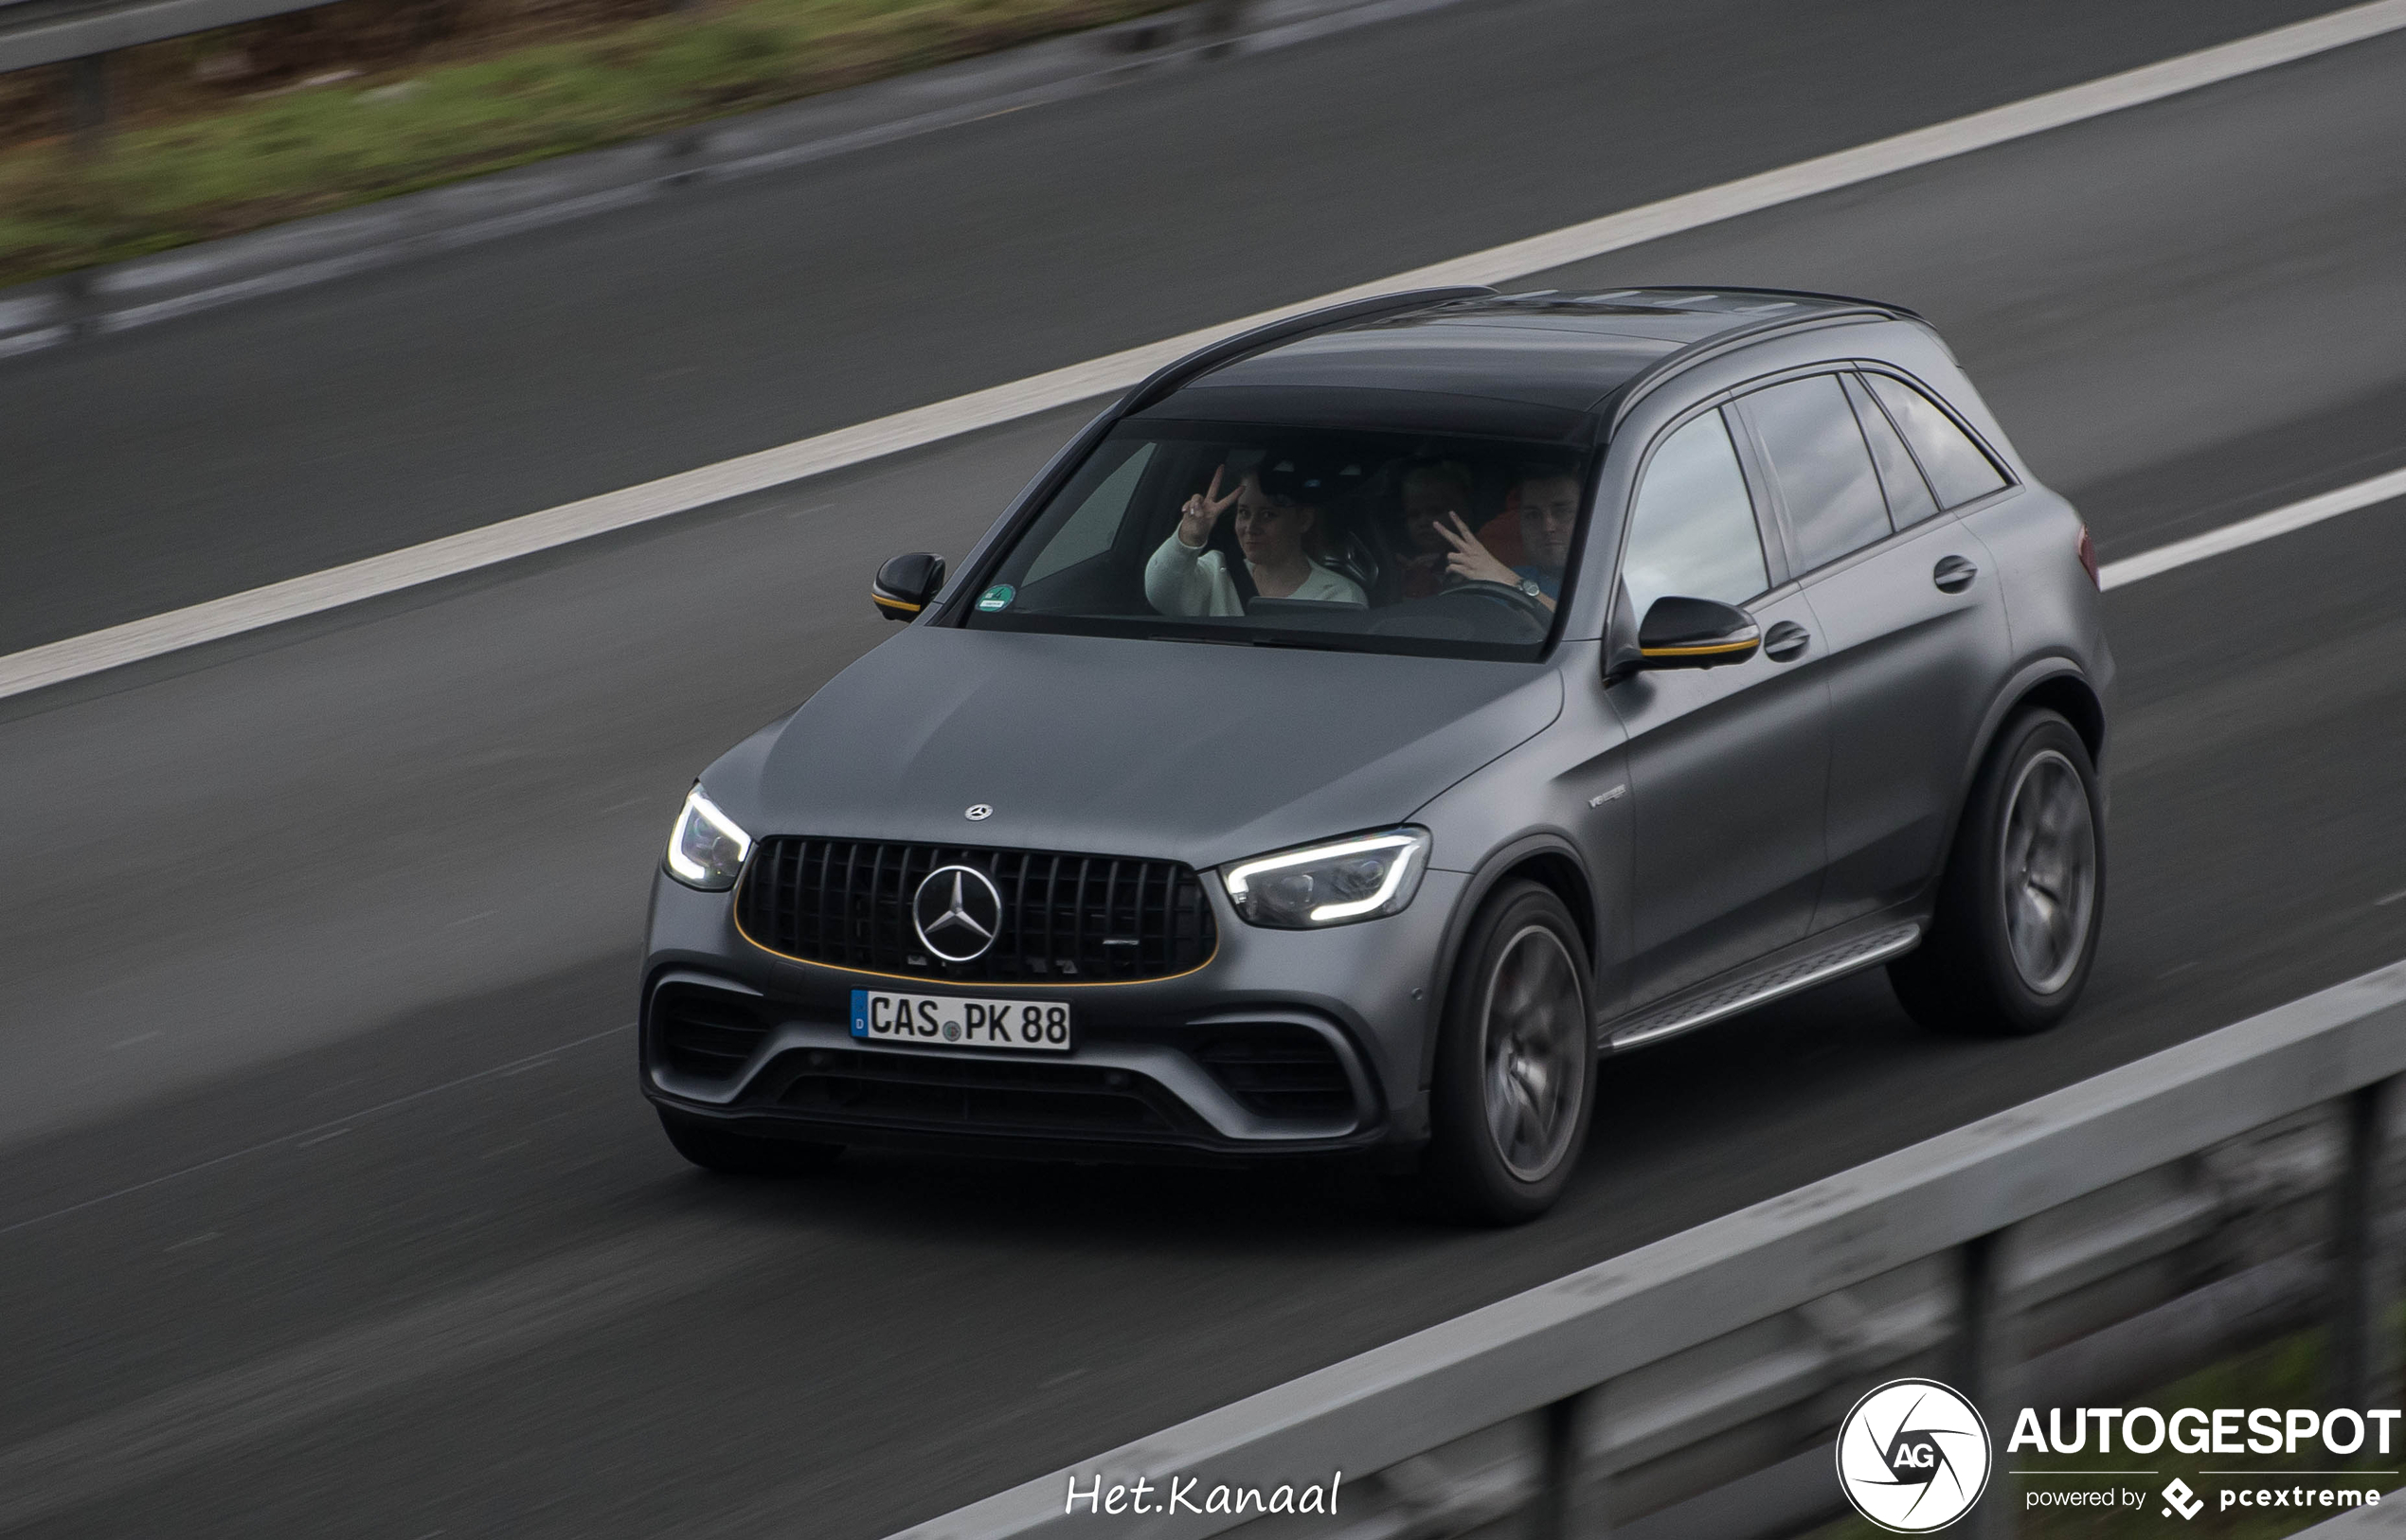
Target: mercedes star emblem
{"points": [[957, 911], [978, 813]]}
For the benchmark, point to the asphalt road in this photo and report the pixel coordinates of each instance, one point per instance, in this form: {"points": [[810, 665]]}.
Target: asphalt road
{"points": [[287, 435], [329, 1205]]}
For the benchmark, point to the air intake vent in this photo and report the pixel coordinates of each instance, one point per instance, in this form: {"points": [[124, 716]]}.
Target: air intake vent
{"points": [[1065, 918], [1279, 1070], [706, 1032], [931, 1091]]}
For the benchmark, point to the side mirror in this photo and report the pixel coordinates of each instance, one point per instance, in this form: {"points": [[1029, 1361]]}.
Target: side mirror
{"points": [[907, 584], [1696, 634]]}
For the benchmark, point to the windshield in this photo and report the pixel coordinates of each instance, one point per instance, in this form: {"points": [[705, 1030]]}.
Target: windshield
{"points": [[1294, 536]]}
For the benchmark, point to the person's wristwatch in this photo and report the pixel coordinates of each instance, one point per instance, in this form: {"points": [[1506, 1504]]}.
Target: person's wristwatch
{"points": [[1533, 588]]}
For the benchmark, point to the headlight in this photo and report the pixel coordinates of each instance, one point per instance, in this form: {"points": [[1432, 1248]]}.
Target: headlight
{"points": [[706, 850], [1329, 885]]}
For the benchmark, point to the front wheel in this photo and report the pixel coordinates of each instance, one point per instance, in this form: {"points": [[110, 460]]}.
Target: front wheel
{"points": [[714, 1147], [2023, 895], [1516, 1060]]}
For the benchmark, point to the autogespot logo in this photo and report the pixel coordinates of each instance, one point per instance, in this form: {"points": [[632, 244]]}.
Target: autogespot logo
{"points": [[1912, 1455]]}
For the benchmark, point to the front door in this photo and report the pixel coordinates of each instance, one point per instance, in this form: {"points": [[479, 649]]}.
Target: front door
{"points": [[1729, 767]]}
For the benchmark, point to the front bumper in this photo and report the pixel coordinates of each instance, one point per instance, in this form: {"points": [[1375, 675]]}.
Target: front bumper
{"points": [[1286, 1042]]}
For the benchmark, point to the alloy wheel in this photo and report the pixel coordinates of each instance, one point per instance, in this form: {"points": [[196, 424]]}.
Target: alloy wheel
{"points": [[2048, 865], [1534, 1034]]}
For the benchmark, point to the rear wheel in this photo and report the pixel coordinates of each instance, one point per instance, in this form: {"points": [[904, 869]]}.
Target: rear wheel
{"points": [[714, 1147], [2023, 895], [1515, 1062]]}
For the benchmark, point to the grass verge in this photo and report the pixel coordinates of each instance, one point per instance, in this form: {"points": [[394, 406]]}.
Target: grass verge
{"points": [[217, 169]]}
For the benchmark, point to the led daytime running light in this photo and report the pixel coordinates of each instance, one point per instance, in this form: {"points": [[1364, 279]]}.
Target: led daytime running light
{"points": [[686, 869], [1239, 878]]}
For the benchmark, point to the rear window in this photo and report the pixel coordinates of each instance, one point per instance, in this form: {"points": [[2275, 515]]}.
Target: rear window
{"points": [[1959, 470], [1293, 535]]}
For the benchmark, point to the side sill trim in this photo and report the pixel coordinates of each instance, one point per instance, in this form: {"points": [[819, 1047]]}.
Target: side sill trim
{"points": [[1803, 974]]}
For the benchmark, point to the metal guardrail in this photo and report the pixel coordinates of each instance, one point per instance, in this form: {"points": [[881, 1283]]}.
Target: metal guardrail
{"points": [[49, 31], [1690, 1387], [34, 32], [84, 33]]}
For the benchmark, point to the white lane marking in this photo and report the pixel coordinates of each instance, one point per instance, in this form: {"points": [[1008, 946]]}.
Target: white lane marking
{"points": [[2380, 489], [77, 656]]}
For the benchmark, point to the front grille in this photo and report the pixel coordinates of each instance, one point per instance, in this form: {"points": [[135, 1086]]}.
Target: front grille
{"points": [[1063, 917], [706, 1032], [1278, 1069], [931, 1091]]}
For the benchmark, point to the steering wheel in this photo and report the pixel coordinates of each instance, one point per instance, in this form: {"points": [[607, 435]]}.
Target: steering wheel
{"points": [[1506, 596]]}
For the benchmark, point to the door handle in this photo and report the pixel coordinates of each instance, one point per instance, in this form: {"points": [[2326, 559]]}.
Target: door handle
{"points": [[1784, 641], [1954, 574]]}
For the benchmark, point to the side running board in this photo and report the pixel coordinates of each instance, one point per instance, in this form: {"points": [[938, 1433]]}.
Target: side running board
{"points": [[1797, 974]]}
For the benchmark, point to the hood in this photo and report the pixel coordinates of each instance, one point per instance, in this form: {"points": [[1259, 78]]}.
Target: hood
{"points": [[1198, 753]]}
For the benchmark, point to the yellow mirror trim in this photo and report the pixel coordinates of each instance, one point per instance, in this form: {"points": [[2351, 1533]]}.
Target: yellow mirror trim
{"points": [[1747, 645]]}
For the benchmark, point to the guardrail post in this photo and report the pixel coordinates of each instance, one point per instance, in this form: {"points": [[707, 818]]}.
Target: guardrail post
{"points": [[1985, 1358], [1555, 1512], [2364, 1357], [88, 103]]}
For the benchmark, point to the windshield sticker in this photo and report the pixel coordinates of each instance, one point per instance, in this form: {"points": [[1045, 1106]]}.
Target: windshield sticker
{"points": [[997, 598]]}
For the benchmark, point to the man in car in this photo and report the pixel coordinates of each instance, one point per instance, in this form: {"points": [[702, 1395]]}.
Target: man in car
{"points": [[1431, 491], [1549, 502]]}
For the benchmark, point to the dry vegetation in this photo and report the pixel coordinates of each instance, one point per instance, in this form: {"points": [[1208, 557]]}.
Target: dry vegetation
{"points": [[232, 130]]}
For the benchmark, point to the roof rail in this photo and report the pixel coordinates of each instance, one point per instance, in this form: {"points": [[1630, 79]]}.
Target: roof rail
{"points": [[1720, 342], [1229, 350], [1855, 301]]}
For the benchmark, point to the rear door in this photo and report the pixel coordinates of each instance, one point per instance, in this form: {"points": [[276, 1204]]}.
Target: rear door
{"points": [[1727, 766], [1908, 610]]}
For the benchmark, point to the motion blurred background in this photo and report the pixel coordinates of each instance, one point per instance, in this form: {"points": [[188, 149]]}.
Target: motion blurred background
{"points": [[329, 1204]]}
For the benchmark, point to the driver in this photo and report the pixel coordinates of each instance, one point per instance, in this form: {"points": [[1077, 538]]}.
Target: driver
{"points": [[1549, 502], [1276, 506]]}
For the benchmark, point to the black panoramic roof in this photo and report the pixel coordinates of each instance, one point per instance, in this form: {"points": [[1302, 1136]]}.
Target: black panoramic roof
{"points": [[1532, 365]]}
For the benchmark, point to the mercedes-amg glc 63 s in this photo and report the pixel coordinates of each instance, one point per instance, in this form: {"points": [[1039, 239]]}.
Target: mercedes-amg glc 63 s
{"points": [[1373, 723]]}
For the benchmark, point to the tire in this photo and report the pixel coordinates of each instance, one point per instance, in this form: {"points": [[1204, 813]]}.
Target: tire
{"points": [[722, 1150], [2022, 897], [1515, 1074]]}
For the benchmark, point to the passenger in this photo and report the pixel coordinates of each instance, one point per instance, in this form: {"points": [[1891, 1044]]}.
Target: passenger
{"points": [[1431, 491], [1276, 506], [1549, 518]]}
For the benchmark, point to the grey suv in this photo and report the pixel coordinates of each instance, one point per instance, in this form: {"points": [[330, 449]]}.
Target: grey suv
{"points": [[1373, 722]]}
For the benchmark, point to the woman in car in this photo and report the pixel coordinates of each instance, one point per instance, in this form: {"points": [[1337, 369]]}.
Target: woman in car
{"points": [[1276, 506]]}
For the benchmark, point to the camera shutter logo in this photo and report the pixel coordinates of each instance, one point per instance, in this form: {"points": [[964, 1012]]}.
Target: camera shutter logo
{"points": [[957, 912], [1912, 1455]]}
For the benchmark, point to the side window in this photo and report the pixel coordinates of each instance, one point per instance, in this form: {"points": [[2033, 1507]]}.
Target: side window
{"points": [[1909, 498], [1957, 469], [1692, 525], [1088, 531], [1823, 466]]}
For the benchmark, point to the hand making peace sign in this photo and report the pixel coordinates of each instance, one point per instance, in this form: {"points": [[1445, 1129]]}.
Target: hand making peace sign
{"points": [[1203, 511], [1470, 559]]}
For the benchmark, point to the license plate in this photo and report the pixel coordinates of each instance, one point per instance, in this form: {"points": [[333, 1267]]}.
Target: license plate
{"points": [[961, 1021]]}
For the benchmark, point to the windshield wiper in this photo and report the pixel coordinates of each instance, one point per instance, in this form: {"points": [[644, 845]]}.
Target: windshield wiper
{"points": [[1305, 644]]}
